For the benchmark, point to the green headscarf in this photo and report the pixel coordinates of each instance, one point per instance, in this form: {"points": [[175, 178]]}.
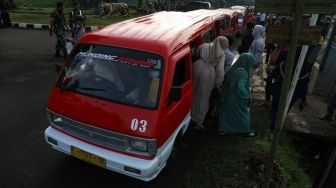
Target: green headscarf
{"points": [[246, 61]]}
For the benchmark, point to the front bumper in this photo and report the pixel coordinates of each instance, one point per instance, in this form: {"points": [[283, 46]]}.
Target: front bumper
{"points": [[117, 162]]}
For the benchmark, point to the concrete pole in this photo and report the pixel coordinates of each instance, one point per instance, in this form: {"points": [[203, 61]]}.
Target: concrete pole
{"points": [[285, 88]]}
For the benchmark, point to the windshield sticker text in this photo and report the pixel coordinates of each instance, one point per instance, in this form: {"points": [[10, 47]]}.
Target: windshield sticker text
{"points": [[135, 61], [127, 60]]}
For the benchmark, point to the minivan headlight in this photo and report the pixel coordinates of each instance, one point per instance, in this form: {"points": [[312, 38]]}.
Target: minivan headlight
{"points": [[139, 145], [142, 146], [54, 119]]}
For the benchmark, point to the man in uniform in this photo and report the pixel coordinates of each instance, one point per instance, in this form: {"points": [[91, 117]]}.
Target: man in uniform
{"points": [[72, 15], [57, 24], [5, 5]]}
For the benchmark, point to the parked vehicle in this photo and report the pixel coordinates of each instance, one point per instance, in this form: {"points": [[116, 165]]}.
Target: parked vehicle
{"points": [[222, 19], [226, 22], [123, 96], [195, 5]]}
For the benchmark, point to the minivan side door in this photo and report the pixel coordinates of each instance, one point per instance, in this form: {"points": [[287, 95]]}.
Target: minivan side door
{"points": [[179, 75]]}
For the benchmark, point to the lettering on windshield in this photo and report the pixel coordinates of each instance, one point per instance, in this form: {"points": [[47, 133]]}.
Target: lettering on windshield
{"points": [[127, 60], [135, 61]]}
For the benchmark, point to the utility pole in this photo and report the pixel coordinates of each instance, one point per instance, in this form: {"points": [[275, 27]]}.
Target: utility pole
{"points": [[284, 91]]}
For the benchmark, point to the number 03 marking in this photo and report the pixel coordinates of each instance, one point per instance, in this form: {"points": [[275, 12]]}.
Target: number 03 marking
{"points": [[135, 125]]}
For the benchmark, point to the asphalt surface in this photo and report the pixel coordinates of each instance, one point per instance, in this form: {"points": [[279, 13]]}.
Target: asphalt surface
{"points": [[26, 76]]}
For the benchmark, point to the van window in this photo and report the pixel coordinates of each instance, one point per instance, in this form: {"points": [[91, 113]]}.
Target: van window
{"points": [[240, 18], [120, 75], [194, 51], [209, 36], [182, 73], [225, 23]]}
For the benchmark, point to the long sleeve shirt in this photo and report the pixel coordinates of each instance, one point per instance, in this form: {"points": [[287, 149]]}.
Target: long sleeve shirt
{"points": [[229, 56], [220, 71]]}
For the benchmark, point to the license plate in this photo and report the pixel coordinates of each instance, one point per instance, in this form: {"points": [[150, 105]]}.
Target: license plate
{"points": [[88, 157]]}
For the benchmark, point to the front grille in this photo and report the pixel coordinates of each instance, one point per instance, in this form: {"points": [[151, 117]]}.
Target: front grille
{"points": [[101, 137], [93, 134]]}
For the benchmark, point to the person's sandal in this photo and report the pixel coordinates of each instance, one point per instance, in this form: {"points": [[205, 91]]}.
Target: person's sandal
{"points": [[252, 135]]}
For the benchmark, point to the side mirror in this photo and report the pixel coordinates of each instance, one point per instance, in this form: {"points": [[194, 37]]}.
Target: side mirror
{"points": [[175, 93], [58, 68]]}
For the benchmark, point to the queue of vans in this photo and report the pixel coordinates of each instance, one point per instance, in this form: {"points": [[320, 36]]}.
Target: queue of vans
{"points": [[123, 96]]}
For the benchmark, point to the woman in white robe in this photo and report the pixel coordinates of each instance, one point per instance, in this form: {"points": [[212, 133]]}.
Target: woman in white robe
{"points": [[204, 80]]}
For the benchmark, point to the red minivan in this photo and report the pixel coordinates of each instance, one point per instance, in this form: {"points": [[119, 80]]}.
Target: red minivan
{"points": [[124, 94], [222, 20]]}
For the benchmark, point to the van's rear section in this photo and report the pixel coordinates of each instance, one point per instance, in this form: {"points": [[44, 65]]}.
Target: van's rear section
{"points": [[124, 94]]}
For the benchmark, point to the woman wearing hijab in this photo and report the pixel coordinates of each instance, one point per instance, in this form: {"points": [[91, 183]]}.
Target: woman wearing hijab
{"points": [[234, 113], [205, 76], [217, 57], [258, 44], [203, 82]]}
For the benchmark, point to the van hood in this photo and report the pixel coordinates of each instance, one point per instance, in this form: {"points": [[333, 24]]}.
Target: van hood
{"points": [[104, 114]]}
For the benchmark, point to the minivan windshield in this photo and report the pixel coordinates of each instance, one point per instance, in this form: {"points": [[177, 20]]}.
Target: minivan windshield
{"points": [[121, 75]]}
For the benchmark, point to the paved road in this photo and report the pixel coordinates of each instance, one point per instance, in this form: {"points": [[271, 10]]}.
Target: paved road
{"points": [[26, 77]]}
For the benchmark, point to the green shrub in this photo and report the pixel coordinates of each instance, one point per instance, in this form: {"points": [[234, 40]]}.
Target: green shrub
{"points": [[36, 3]]}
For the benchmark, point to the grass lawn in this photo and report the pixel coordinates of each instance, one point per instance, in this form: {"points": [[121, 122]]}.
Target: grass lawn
{"points": [[42, 16], [233, 161], [49, 10]]}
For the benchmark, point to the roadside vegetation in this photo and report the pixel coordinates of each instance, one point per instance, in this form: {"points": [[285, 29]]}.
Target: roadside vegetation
{"points": [[42, 16], [233, 161], [36, 3], [38, 11]]}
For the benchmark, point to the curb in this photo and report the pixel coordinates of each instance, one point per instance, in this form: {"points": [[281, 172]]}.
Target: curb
{"points": [[45, 26]]}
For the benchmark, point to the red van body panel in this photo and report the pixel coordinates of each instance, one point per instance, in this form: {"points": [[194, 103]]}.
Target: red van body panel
{"points": [[101, 113]]}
